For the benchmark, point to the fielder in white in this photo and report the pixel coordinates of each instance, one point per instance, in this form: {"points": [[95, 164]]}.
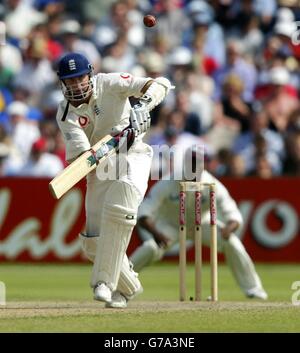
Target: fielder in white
{"points": [[158, 224], [94, 106]]}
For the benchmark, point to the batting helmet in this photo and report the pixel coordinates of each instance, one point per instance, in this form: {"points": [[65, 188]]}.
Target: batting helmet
{"points": [[73, 65]]}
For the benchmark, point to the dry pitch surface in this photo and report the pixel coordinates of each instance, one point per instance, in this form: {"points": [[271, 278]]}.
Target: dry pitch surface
{"points": [[76, 308]]}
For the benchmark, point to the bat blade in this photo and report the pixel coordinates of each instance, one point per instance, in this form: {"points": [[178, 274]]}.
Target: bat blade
{"points": [[82, 166]]}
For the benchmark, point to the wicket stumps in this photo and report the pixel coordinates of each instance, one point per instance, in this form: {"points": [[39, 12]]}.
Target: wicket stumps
{"points": [[197, 187]]}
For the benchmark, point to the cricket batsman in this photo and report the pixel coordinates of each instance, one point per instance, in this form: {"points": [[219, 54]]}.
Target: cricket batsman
{"points": [[94, 106]]}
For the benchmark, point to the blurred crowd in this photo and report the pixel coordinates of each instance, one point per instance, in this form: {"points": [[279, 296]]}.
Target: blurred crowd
{"points": [[235, 65]]}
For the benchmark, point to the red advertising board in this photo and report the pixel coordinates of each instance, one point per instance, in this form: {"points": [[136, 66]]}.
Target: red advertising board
{"points": [[35, 227], [271, 211]]}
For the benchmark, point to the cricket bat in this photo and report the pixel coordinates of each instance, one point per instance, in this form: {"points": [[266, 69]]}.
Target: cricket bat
{"points": [[82, 166]]}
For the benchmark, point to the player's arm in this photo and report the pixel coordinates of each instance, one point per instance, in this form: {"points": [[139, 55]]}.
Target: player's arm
{"points": [[230, 227], [228, 207], [147, 223], [146, 86], [149, 92], [153, 93]]}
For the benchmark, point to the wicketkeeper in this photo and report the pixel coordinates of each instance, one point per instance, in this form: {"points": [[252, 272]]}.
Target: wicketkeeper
{"points": [[94, 106], [158, 224]]}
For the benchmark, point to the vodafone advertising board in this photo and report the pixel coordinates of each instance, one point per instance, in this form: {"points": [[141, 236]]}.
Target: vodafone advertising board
{"points": [[36, 227]]}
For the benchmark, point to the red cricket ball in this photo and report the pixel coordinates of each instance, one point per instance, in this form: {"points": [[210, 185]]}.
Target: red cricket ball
{"points": [[149, 21]]}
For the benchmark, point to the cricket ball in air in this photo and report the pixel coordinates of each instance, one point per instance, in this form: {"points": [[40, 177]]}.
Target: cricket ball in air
{"points": [[149, 21]]}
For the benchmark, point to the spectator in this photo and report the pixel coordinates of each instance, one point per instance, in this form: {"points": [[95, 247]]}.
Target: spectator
{"points": [[172, 21], [4, 153], [11, 59], [37, 71], [53, 48], [236, 166], [251, 36], [233, 105], [235, 63], [161, 45], [285, 27], [203, 64], [190, 120], [23, 131], [180, 64], [50, 7], [279, 104], [5, 99], [70, 36], [292, 162], [21, 18], [41, 163], [263, 168], [260, 139], [119, 56], [204, 28], [116, 22], [199, 89], [59, 148]]}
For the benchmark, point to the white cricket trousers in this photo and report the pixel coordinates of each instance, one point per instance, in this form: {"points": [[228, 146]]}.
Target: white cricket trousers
{"points": [[111, 210]]}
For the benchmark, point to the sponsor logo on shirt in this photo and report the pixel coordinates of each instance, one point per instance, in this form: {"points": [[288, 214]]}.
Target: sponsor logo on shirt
{"points": [[125, 76]]}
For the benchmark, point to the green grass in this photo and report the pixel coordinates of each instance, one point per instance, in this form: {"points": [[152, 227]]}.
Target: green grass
{"points": [[63, 285]]}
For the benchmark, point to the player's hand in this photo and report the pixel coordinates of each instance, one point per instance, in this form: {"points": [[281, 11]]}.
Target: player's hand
{"points": [[162, 240], [127, 138], [140, 118], [229, 228], [225, 233]]}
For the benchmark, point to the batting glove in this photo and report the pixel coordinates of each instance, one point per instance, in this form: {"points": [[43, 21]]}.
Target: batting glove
{"points": [[140, 118]]}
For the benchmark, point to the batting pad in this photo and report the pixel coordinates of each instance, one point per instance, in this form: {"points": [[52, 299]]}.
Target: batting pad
{"points": [[116, 228], [129, 284], [89, 245]]}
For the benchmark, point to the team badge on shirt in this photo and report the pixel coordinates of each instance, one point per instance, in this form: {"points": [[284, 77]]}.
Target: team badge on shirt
{"points": [[83, 121]]}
